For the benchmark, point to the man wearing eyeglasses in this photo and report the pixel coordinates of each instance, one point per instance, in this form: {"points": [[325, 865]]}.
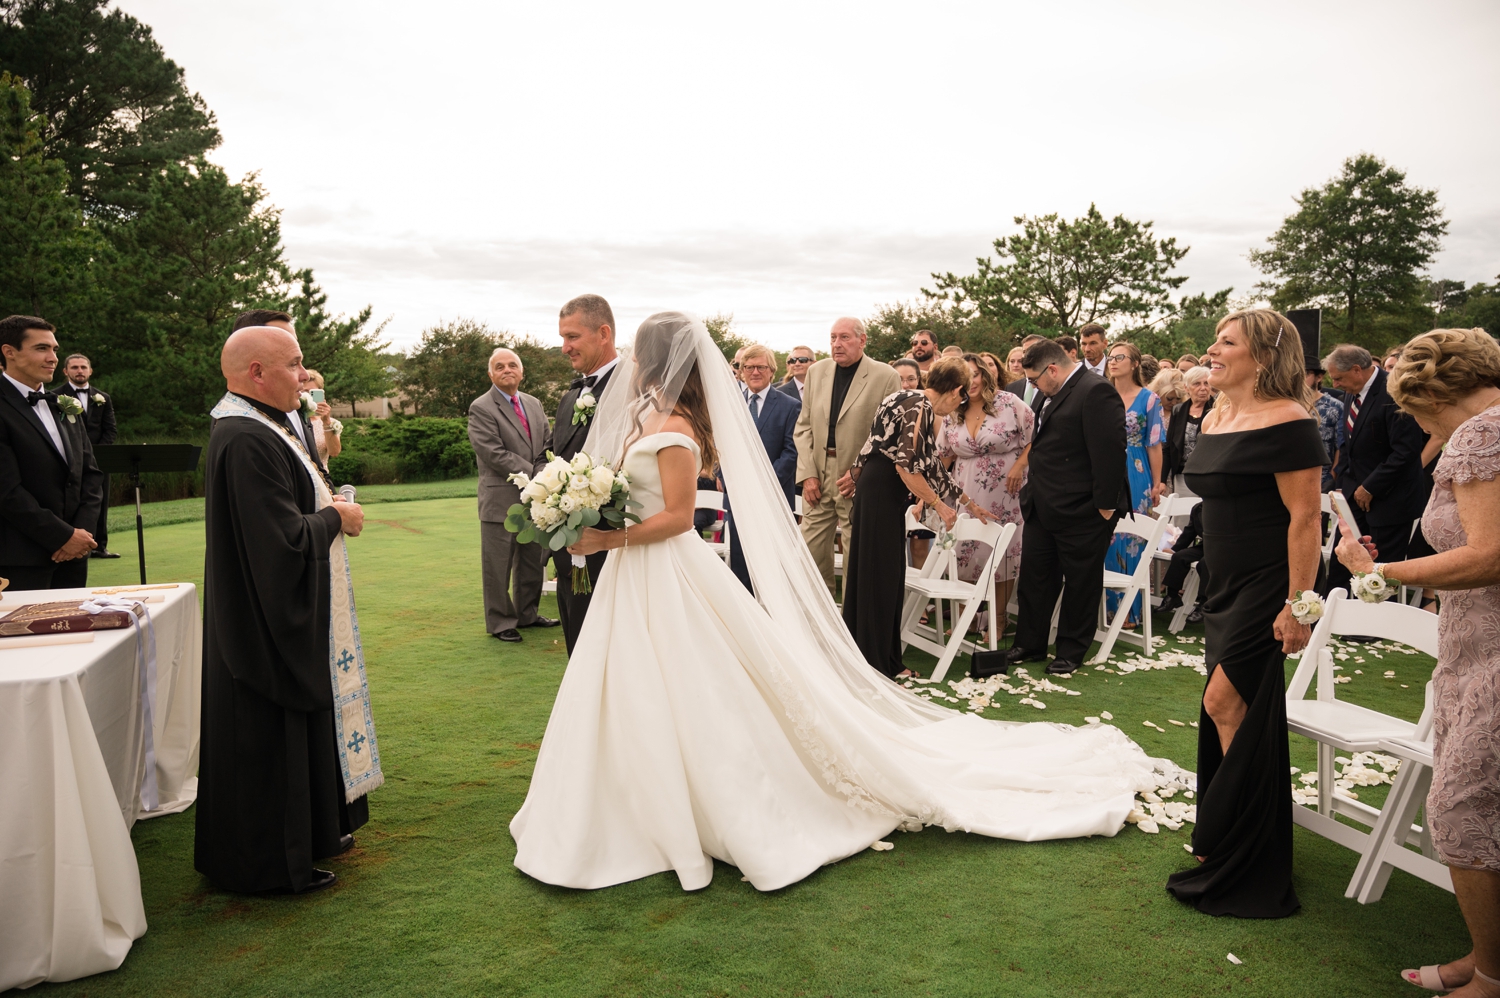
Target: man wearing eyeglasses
{"points": [[797, 363], [924, 349]]}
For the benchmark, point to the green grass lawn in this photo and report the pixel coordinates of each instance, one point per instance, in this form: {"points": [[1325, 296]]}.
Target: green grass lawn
{"points": [[161, 514], [429, 903]]}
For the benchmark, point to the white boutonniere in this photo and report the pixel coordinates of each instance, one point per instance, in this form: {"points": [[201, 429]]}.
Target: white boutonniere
{"points": [[307, 407], [69, 406], [1372, 587], [98, 398], [1307, 607], [583, 409]]}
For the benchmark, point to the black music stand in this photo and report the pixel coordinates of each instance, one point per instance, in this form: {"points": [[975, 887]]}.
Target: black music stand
{"points": [[135, 459]]}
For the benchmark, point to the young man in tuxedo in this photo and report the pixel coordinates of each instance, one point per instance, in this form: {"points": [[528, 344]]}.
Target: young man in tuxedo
{"points": [[1076, 491], [775, 415], [587, 327], [99, 420], [50, 489], [1379, 467], [508, 431]]}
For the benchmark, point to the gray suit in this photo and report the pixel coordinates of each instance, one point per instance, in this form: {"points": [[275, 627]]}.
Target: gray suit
{"points": [[503, 448]]}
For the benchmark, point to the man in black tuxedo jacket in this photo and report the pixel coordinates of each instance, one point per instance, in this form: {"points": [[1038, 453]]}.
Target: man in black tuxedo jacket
{"points": [[99, 421], [1379, 468], [775, 413], [587, 327], [1076, 491], [50, 489]]}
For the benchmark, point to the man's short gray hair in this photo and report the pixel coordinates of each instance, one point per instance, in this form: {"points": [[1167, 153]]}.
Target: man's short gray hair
{"points": [[594, 309], [499, 350], [859, 325], [1346, 357]]}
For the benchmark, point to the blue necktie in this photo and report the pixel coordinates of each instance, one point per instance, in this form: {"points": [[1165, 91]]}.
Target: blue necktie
{"points": [[754, 407]]}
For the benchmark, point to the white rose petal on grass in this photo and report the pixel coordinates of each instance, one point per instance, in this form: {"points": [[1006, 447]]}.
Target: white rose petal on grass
{"points": [[1106, 715], [882, 846], [1148, 826], [1091, 720], [1178, 723], [1234, 959], [1187, 847]]}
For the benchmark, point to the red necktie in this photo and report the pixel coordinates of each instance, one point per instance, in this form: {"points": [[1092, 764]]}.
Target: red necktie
{"points": [[1353, 413], [515, 401]]}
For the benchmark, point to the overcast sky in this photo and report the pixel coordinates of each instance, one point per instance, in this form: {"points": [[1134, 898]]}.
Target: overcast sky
{"points": [[791, 163]]}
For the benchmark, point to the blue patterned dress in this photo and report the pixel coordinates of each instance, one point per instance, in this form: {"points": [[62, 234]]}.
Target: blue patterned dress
{"points": [[1143, 428]]}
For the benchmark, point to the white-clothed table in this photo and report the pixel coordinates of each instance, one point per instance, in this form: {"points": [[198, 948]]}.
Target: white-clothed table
{"points": [[72, 763]]}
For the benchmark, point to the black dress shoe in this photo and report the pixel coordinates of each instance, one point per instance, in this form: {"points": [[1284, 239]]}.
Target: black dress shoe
{"points": [[1015, 656], [1196, 616], [102, 553], [509, 634], [320, 879], [1062, 667], [542, 622], [346, 842], [1169, 603]]}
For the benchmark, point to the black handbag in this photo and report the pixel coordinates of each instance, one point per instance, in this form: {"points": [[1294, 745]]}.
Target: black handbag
{"points": [[984, 664]]}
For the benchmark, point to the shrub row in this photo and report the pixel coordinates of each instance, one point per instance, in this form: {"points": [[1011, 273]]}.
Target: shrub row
{"points": [[403, 449]]}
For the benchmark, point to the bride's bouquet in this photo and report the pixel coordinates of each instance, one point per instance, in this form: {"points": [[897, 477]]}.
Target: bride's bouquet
{"points": [[565, 497]]}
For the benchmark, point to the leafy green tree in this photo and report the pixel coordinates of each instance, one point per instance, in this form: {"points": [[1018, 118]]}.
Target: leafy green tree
{"points": [[344, 350], [449, 368], [202, 248], [116, 109], [46, 254], [721, 331], [892, 326], [1356, 247], [1189, 329], [1056, 275]]}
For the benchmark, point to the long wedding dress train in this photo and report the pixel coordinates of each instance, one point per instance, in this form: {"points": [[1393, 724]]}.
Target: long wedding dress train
{"points": [[690, 727]]}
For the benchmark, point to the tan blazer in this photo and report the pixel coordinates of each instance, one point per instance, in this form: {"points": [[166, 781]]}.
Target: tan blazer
{"points": [[873, 383], [502, 449]]}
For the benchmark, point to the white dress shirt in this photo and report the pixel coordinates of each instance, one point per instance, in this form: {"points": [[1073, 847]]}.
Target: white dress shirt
{"points": [[81, 394], [605, 369], [1368, 382], [761, 407], [44, 413], [1099, 369], [801, 389]]}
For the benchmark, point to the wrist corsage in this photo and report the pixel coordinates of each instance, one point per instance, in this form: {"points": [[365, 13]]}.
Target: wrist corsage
{"points": [[1307, 607], [1372, 587]]}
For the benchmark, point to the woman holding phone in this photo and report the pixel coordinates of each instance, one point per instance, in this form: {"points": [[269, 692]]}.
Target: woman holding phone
{"points": [[326, 429]]}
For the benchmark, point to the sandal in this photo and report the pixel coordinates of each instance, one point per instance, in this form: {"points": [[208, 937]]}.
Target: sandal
{"points": [[1427, 977]]}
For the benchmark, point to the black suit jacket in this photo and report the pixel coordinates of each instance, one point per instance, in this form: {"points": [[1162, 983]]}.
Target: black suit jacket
{"points": [[98, 417], [567, 439], [1384, 454], [789, 387], [1077, 463], [44, 496], [1172, 460]]}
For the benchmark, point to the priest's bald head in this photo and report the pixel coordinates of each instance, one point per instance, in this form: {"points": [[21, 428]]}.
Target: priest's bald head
{"points": [[264, 363]]}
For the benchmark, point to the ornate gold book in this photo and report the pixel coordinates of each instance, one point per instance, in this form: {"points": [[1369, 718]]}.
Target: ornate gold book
{"points": [[55, 618]]}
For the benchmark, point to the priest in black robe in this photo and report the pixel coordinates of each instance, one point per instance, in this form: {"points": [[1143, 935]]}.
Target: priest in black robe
{"points": [[271, 797]]}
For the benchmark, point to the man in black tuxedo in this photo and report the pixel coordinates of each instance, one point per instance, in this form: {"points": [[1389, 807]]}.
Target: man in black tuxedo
{"points": [[1379, 467], [99, 421], [50, 489], [296, 419], [1076, 491], [587, 327], [775, 415]]}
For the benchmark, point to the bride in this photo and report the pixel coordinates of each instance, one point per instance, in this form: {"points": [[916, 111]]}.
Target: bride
{"points": [[697, 722]]}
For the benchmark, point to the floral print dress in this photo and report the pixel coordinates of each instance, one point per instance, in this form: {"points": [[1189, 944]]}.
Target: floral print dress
{"points": [[1143, 428], [980, 465]]}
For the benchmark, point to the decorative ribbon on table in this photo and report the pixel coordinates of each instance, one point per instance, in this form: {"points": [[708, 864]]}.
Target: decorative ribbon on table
{"points": [[353, 724], [145, 654]]}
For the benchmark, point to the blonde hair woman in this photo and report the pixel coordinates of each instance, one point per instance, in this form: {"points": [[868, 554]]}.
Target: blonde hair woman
{"points": [[1144, 433], [1449, 381], [327, 431], [1258, 465]]}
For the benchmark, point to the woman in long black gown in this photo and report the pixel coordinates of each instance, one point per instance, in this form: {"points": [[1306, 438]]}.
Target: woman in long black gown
{"points": [[1258, 466], [900, 457]]}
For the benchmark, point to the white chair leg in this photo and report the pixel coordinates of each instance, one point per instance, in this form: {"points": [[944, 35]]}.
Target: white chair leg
{"points": [[1326, 778], [1415, 779], [1113, 633], [1189, 600], [955, 644]]}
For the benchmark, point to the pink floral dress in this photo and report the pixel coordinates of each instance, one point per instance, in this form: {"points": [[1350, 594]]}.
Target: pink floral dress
{"points": [[980, 466], [1463, 807]]}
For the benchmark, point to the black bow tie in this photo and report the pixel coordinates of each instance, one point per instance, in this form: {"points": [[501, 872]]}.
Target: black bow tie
{"points": [[32, 398], [587, 382]]}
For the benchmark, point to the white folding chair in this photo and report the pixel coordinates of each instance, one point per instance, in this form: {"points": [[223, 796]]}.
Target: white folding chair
{"points": [[1331, 533], [710, 499], [1406, 594], [1394, 830], [1129, 585], [945, 585], [1337, 724], [1175, 509]]}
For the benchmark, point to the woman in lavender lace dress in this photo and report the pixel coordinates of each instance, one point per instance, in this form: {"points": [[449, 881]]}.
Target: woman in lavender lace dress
{"points": [[984, 441], [1449, 380]]}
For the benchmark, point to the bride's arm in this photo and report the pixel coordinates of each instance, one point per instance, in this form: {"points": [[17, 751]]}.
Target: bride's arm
{"points": [[679, 487]]}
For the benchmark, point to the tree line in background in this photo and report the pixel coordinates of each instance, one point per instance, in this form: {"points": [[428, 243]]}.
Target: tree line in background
{"points": [[116, 227]]}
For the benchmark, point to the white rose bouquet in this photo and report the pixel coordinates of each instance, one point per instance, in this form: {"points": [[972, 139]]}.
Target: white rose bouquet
{"points": [[1372, 587], [563, 499]]}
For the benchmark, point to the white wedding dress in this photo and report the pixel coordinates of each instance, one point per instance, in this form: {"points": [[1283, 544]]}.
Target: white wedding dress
{"points": [[692, 724]]}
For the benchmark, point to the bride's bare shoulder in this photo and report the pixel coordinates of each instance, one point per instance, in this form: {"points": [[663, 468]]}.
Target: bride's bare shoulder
{"points": [[678, 424]]}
